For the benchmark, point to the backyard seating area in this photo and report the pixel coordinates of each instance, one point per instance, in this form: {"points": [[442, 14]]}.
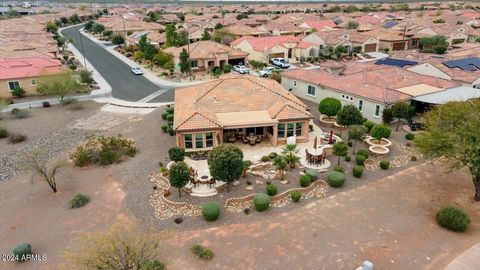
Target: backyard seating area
{"points": [[251, 138]]}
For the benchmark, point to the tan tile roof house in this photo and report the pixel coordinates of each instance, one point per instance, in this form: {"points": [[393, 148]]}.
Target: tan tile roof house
{"points": [[241, 104]]}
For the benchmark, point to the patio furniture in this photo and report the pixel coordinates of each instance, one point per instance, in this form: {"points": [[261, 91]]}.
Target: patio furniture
{"points": [[252, 142], [251, 139], [244, 139], [232, 139], [259, 139], [211, 182]]}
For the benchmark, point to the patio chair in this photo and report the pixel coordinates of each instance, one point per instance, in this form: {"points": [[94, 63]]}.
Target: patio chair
{"points": [[244, 139], [259, 139], [252, 142], [324, 156], [211, 182]]}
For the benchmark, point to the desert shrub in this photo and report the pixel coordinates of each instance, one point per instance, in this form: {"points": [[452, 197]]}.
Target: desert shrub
{"points": [[296, 196], [348, 158], [305, 180], [202, 252], [409, 136], [384, 164], [357, 171], [335, 179], [19, 113], [170, 118], [164, 115], [261, 201], [265, 159], [360, 159], [369, 125], [312, 173], [273, 155], [46, 104], [18, 92], [78, 200], [3, 132], [272, 189], [210, 211], [176, 154], [21, 251], [350, 143], [164, 128], [363, 152], [339, 168], [103, 150], [153, 265], [16, 138], [413, 158], [453, 219]]}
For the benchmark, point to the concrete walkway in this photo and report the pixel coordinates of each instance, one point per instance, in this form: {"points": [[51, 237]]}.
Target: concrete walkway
{"points": [[469, 260]]}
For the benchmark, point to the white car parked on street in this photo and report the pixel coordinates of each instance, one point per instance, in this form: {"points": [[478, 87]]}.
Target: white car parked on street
{"points": [[241, 69], [267, 71], [137, 70]]}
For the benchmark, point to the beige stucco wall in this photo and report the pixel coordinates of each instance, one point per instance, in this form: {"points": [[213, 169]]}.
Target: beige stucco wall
{"points": [[25, 83]]}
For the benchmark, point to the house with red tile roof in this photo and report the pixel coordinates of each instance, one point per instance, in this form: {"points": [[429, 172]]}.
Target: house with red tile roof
{"points": [[25, 72], [370, 89], [208, 114], [264, 48], [351, 39], [325, 25]]}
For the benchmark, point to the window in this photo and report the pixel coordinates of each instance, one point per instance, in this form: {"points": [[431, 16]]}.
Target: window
{"points": [[298, 129], [347, 98], [209, 139], [294, 83], [377, 110], [13, 85], [281, 130], [33, 82], [188, 141], [290, 129], [311, 91], [199, 140], [360, 105], [194, 64]]}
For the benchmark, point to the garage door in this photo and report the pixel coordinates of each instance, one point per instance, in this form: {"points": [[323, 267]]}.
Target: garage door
{"points": [[370, 47], [277, 55], [398, 46]]}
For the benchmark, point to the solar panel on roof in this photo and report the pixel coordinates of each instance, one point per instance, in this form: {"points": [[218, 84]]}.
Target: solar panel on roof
{"points": [[467, 64], [395, 62], [389, 24]]}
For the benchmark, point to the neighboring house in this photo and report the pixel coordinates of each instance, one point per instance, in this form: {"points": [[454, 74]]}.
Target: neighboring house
{"points": [[128, 24], [25, 73], [264, 48], [242, 105], [278, 29], [318, 25], [370, 90], [389, 40], [240, 30], [351, 39], [153, 37], [453, 36], [206, 55]]}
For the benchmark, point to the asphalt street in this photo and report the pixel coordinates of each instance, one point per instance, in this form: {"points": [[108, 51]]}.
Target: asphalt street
{"points": [[125, 85]]}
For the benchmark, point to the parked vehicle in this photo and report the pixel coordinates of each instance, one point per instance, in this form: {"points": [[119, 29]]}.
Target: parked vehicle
{"points": [[280, 62], [267, 71], [241, 69], [137, 70]]}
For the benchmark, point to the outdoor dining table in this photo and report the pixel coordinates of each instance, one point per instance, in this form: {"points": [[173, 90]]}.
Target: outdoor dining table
{"points": [[251, 138], [315, 151]]}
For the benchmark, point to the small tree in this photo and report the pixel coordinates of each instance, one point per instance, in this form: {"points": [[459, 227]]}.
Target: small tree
{"points": [[170, 36], [381, 131], [18, 92], [329, 106], [179, 176], [387, 116], [98, 28], [349, 115], [206, 35], [51, 27], [118, 39], [225, 163], [281, 165], [290, 152], [42, 171], [176, 154], [59, 85], [340, 50], [340, 149], [399, 111], [184, 61], [356, 133], [85, 76]]}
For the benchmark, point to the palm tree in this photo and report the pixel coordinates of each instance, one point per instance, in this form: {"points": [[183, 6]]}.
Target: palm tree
{"points": [[281, 165], [290, 152]]}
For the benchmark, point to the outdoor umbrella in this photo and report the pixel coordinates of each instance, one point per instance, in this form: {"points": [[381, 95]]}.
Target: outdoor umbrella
{"points": [[315, 143], [330, 139]]}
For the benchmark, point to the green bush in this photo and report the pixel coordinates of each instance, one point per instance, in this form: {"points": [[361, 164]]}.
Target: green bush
{"points": [[170, 118], [18, 92], [360, 159], [3, 132], [19, 113], [350, 143], [261, 201], [381, 131], [384, 164], [153, 265], [409, 136], [273, 155], [348, 158], [272, 189], [265, 159], [176, 154], [369, 125], [339, 168], [170, 110], [210, 211], [335, 179], [78, 200], [164, 115], [108, 157], [305, 180], [453, 219], [296, 196], [21, 251], [164, 128], [363, 152], [357, 171], [202, 252], [312, 173], [170, 131]]}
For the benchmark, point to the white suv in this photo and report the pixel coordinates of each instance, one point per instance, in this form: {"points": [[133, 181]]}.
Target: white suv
{"points": [[280, 62]]}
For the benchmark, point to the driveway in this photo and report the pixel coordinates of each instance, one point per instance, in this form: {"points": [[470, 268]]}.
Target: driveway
{"points": [[125, 85]]}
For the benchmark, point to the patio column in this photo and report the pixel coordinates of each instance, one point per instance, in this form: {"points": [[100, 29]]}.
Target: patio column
{"points": [[305, 130], [275, 135]]}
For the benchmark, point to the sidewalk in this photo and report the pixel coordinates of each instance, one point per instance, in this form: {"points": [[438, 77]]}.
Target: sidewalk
{"points": [[469, 260]]}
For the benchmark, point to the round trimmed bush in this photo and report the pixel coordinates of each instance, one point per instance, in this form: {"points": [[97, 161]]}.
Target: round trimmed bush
{"points": [[312, 173], [261, 201], [170, 110], [296, 196], [210, 211], [360, 159], [329, 106], [453, 218], [409, 136], [349, 143], [273, 155], [176, 154], [78, 200], [363, 152], [272, 189], [305, 180], [3, 132], [348, 158], [369, 125], [170, 118], [164, 128], [335, 179], [20, 251], [357, 171], [265, 159], [339, 168], [164, 115], [384, 164], [381, 131], [170, 131]]}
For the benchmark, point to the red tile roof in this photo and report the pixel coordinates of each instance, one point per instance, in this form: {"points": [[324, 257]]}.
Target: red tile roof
{"points": [[262, 43], [28, 67], [319, 25]]}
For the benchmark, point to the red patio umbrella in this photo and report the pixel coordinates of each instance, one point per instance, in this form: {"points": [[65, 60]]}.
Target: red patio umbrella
{"points": [[330, 139]]}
